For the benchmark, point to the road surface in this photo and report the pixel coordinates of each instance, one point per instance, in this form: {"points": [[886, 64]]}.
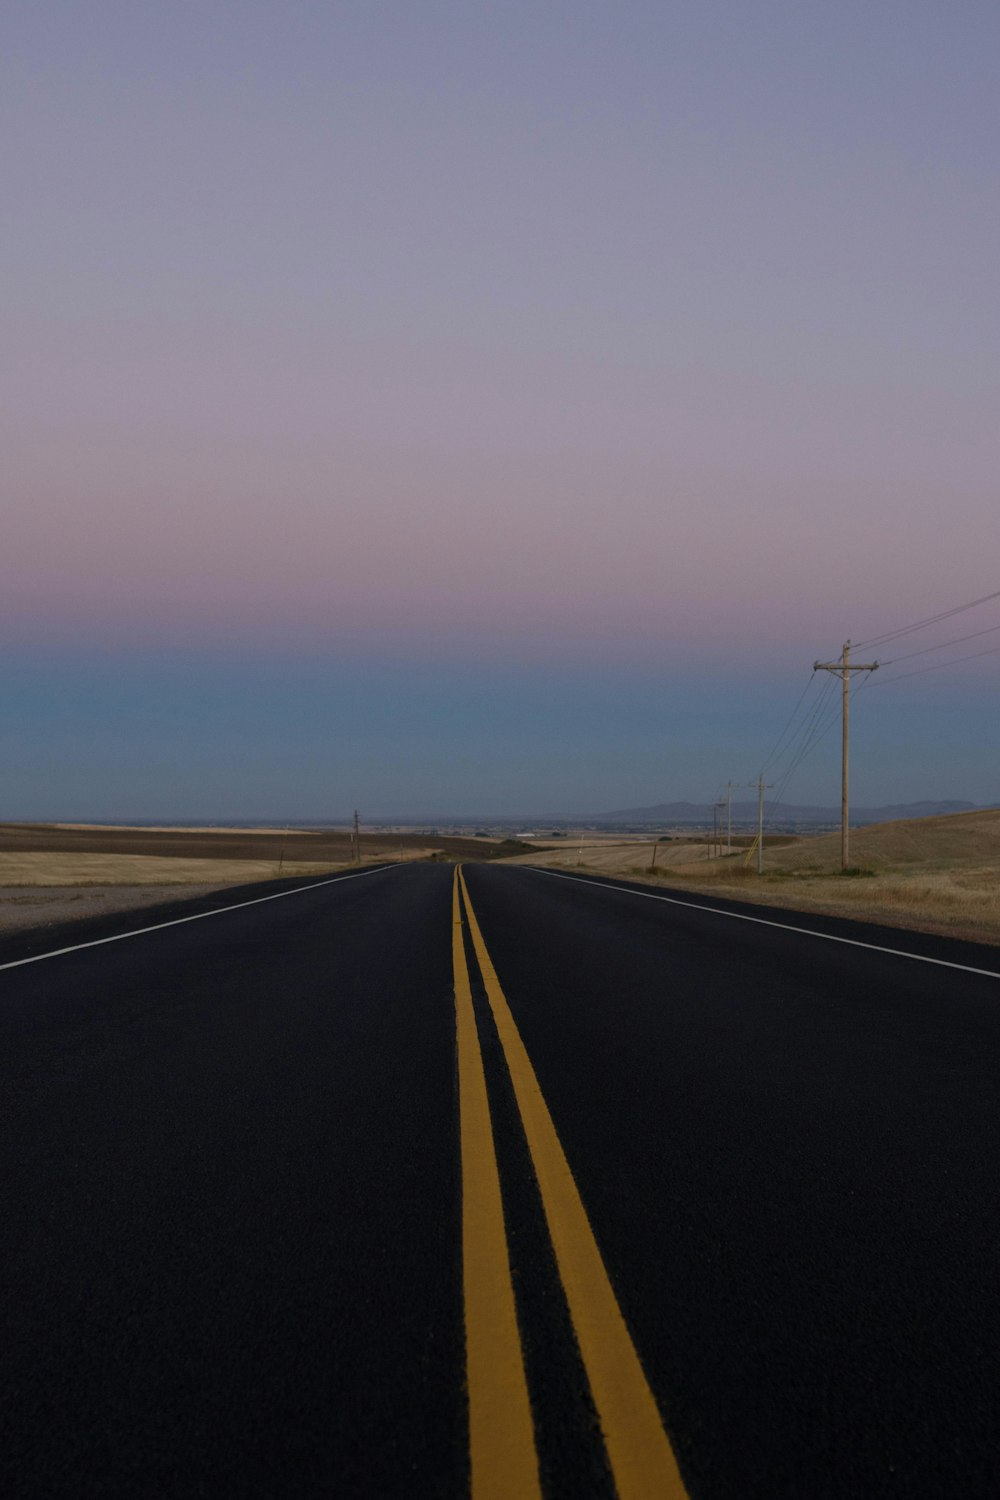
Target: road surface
{"points": [[515, 1183]]}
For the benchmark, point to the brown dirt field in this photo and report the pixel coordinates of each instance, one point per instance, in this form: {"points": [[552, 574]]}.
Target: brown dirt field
{"points": [[322, 846]]}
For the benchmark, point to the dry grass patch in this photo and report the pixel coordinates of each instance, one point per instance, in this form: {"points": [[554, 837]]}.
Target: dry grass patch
{"points": [[141, 869], [45, 890], [929, 874], [23, 907], [627, 856]]}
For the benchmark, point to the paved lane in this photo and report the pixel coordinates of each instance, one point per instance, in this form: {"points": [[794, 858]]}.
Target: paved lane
{"points": [[370, 1187], [230, 1240], [788, 1150]]}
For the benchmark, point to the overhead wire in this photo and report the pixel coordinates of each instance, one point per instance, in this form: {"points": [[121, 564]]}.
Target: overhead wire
{"points": [[791, 717], [824, 723], [955, 641], [815, 729], [822, 729], [945, 614], [821, 709], [801, 735], [938, 666]]}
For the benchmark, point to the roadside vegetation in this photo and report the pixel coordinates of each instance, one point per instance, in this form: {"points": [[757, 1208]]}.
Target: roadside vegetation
{"points": [[932, 874], [52, 873]]}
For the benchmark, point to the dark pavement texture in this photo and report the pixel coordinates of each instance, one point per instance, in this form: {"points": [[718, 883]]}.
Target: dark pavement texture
{"points": [[231, 1242]]}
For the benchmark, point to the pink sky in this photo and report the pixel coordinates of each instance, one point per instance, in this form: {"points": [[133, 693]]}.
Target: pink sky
{"points": [[526, 334], [166, 481]]}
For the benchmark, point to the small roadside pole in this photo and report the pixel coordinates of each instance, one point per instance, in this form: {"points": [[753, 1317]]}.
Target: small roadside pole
{"points": [[729, 817], [762, 787], [843, 669], [652, 862], [357, 838], [718, 815]]}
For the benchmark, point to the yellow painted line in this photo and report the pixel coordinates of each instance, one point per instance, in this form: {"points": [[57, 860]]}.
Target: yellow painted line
{"points": [[639, 1452], [502, 1452]]}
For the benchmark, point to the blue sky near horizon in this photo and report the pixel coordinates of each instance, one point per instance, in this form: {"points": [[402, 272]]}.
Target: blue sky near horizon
{"points": [[490, 407], [207, 738]]}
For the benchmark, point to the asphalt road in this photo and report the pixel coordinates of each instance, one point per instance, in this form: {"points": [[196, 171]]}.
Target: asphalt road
{"points": [[351, 1190]]}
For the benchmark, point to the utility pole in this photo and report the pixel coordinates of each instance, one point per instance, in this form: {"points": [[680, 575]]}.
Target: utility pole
{"points": [[718, 807], [729, 818], [762, 787], [843, 670], [357, 838]]}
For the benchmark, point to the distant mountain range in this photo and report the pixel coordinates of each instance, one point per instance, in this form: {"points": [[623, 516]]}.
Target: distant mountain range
{"points": [[660, 814], [785, 812]]}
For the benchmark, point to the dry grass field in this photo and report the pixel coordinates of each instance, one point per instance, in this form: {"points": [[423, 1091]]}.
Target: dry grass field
{"points": [[632, 855], [51, 869], [932, 874], [300, 846], [53, 873], [48, 906]]}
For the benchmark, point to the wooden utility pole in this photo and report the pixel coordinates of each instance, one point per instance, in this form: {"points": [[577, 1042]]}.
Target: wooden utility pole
{"points": [[357, 838], [762, 787], [843, 670], [729, 818]]}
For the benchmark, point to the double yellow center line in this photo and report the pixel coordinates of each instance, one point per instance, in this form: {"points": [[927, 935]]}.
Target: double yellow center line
{"points": [[504, 1458]]}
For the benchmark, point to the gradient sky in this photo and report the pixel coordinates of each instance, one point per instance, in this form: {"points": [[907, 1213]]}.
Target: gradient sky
{"points": [[490, 407]]}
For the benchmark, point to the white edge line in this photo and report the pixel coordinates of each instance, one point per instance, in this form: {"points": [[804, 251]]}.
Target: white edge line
{"points": [[740, 916], [216, 911]]}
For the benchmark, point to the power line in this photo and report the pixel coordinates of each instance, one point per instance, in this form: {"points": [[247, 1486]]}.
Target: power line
{"points": [[938, 665], [819, 734], [946, 614], [791, 717], [801, 736], [956, 641], [866, 682], [815, 729], [813, 732], [823, 723], [802, 733], [822, 728]]}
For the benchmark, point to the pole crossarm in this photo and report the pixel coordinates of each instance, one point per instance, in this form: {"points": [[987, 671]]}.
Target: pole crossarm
{"points": [[839, 668]]}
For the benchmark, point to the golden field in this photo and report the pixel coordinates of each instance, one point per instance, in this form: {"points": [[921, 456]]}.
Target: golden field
{"points": [[64, 869], [50, 874], [932, 874]]}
